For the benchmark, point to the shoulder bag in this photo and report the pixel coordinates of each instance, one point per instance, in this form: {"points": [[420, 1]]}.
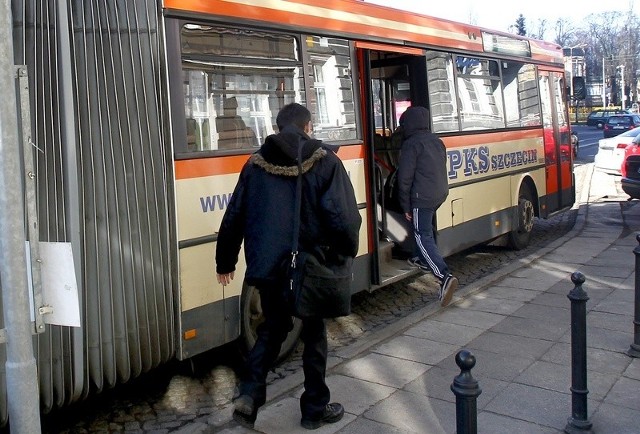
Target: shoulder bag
{"points": [[318, 287]]}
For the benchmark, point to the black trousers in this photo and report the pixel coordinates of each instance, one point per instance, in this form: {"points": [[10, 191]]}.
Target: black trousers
{"points": [[271, 333]]}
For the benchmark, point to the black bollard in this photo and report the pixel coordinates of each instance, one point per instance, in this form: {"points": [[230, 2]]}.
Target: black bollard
{"points": [[578, 422], [634, 349], [466, 389]]}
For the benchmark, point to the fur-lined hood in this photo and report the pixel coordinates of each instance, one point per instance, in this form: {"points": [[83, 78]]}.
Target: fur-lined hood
{"points": [[279, 154]]}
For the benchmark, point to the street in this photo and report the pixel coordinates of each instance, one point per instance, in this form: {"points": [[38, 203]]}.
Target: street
{"points": [[200, 389]]}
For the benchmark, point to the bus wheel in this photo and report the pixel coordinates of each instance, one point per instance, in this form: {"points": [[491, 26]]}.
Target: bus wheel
{"points": [[251, 317], [519, 238]]}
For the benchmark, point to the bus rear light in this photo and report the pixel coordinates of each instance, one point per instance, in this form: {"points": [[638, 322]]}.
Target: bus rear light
{"points": [[190, 334]]}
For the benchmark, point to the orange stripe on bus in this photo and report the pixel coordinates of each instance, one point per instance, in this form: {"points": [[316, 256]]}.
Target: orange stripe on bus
{"points": [[351, 152], [386, 47], [201, 167], [473, 139], [473, 40]]}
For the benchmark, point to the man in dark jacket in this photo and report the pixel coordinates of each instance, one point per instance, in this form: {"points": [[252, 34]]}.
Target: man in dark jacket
{"points": [[261, 212], [422, 187]]}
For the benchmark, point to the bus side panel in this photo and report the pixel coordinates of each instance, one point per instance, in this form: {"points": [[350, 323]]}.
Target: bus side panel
{"points": [[209, 312]]}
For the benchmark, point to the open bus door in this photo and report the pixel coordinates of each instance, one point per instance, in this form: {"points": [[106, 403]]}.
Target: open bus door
{"points": [[392, 79], [557, 144]]}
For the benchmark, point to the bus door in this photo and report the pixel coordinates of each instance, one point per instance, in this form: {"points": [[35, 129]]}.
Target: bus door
{"points": [[557, 144], [392, 79]]}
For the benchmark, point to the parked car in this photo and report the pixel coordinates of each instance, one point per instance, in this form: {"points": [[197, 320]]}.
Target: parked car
{"points": [[598, 118], [618, 124], [630, 169], [611, 151]]}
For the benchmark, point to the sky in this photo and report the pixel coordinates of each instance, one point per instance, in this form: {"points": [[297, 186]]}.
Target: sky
{"points": [[500, 14]]}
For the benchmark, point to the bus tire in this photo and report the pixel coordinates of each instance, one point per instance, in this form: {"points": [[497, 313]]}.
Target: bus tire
{"points": [[519, 237], [251, 316]]}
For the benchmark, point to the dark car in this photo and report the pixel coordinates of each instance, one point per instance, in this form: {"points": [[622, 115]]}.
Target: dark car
{"points": [[630, 169], [618, 124], [598, 118]]}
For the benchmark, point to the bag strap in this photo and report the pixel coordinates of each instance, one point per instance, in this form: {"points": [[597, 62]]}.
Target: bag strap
{"points": [[296, 214]]}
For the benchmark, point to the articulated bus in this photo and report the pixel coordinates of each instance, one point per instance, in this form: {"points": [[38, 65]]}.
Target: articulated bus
{"points": [[144, 112]]}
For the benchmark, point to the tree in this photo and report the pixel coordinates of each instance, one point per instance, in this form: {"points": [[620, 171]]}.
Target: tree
{"points": [[540, 28], [520, 26], [564, 33]]}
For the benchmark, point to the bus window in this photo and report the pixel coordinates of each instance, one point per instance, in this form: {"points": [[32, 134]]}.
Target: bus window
{"points": [[521, 97], [331, 98], [234, 83], [442, 92], [479, 93]]}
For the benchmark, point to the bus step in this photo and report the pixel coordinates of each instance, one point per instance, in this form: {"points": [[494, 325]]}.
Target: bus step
{"points": [[385, 249]]}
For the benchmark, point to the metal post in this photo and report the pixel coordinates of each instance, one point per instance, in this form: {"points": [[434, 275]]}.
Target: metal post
{"points": [[604, 89], [634, 349], [21, 369], [578, 422], [624, 96], [466, 389]]}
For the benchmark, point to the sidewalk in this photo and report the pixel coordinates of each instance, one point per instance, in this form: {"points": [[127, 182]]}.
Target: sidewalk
{"points": [[516, 323]]}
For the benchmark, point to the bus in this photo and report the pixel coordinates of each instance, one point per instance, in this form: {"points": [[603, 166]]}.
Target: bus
{"points": [[144, 112]]}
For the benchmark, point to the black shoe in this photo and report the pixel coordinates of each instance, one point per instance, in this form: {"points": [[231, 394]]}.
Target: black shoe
{"points": [[332, 413], [448, 287], [415, 262], [245, 412]]}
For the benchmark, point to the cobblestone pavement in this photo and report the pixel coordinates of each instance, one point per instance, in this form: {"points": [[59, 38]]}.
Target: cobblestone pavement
{"points": [[200, 390]]}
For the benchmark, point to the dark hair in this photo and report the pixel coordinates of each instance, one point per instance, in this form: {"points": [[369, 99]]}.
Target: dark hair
{"points": [[293, 113]]}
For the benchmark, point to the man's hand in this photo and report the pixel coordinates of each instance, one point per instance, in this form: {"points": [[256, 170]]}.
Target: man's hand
{"points": [[225, 279], [407, 215]]}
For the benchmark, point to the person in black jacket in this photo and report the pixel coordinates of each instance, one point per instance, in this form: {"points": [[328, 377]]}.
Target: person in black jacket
{"points": [[260, 212], [422, 187]]}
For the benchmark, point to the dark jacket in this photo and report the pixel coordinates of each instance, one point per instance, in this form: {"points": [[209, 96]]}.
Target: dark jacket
{"points": [[261, 210], [422, 171]]}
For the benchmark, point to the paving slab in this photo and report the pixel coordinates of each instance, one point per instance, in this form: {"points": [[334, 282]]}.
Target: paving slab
{"points": [[436, 383], [367, 426], [557, 377], [416, 349], [531, 328], [511, 345], [598, 360], [283, 417], [415, 413], [499, 424], [439, 331], [492, 365], [466, 317], [482, 302], [354, 394], [506, 293], [633, 370], [616, 420], [625, 393], [382, 369], [545, 407]]}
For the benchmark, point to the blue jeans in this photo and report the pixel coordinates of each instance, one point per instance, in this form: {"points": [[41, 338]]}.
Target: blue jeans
{"points": [[426, 247]]}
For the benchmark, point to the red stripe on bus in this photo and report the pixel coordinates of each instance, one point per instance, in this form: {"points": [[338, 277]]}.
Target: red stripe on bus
{"points": [[201, 167], [474, 139], [238, 10]]}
